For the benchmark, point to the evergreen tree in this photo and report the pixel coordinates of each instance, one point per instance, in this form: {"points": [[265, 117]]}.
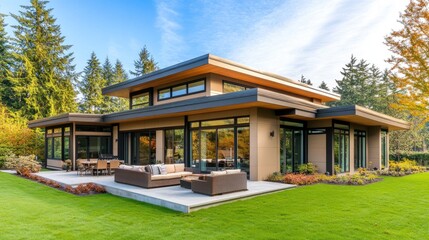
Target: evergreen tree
{"points": [[305, 80], [107, 73], [324, 86], [119, 75], [144, 64], [6, 93], [43, 76], [90, 87]]}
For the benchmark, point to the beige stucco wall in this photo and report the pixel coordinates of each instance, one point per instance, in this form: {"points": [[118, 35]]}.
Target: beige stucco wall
{"points": [[152, 124], [264, 149], [374, 147], [317, 151], [160, 146]]}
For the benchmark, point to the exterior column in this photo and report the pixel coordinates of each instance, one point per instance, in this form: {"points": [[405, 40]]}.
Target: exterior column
{"points": [[264, 148], [374, 147], [159, 145]]}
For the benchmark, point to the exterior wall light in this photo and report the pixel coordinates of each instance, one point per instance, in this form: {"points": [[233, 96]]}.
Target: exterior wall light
{"points": [[272, 133]]}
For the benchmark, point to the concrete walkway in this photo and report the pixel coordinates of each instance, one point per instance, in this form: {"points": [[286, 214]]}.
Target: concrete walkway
{"points": [[175, 197]]}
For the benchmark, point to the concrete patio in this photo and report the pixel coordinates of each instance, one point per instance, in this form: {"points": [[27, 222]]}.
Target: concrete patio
{"points": [[175, 197]]}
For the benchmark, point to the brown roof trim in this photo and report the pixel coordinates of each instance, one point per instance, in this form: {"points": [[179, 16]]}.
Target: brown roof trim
{"points": [[209, 59], [66, 118], [254, 97], [355, 110]]}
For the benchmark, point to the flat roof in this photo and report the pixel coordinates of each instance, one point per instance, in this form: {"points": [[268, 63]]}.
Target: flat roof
{"points": [[364, 116], [66, 118], [213, 64]]}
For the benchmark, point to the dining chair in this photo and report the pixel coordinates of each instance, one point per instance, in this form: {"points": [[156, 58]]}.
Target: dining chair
{"points": [[114, 164], [80, 167], [100, 166]]}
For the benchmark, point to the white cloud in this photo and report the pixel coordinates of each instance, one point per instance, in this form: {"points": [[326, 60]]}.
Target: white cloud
{"points": [[168, 21], [314, 38]]}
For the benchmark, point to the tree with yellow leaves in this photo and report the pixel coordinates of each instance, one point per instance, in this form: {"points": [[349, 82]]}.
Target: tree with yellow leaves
{"points": [[410, 60]]}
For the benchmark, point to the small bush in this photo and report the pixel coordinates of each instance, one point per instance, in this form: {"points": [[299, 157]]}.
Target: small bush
{"points": [[276, 177], [308, 168], [352, 179], [23, 164], [402, 168], [301, 179]]}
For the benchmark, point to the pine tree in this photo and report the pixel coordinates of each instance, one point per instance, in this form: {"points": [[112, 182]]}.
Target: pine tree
{"points": [[119, 75], [43, 74], [324, 86], [6, 93], [107, 73], [364, 85], [144, 64], [305, 80], [90, 87]]}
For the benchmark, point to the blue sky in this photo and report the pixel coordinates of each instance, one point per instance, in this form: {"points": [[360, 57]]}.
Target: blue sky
{"points": [[290, 38]]}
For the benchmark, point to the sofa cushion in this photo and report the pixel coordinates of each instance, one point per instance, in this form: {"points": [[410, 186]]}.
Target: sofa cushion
{"points": [[215, 173], [162, 169], [123, 166], [184, 173], [167, 176], [233, 171], [170, 168], [180, 167]]}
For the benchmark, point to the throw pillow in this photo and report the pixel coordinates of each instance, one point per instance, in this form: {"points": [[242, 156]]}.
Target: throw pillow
{"points": [[215, 173], [179, 167], [154, 169], [170, 168], [233, 171], [162, 170]]}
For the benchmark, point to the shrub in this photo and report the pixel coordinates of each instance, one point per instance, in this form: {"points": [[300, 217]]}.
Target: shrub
{"points": [[402, 168], [352, 179], [276, 177], [308, 168], [301, 179], [23, 164]]}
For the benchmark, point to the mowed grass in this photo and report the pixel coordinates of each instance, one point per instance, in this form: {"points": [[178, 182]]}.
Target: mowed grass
{"points": [[395, 208]]}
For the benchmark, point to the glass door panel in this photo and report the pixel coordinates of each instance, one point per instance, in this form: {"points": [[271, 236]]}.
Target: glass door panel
{"points": [[291, 149], [144, 149], [208, 150], [243, 149], [298, 149], [225, 149]]}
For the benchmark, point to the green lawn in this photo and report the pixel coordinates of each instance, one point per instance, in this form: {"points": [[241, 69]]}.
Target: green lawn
{"points": [[396, 208]]}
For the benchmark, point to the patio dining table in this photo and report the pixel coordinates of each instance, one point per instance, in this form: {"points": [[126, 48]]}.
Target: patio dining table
{"points": [[89, 163]]}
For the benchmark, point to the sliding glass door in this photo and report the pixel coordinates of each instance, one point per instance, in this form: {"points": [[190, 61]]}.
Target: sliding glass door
{"points": [[143, 148], [291, 149], [220, 144]]}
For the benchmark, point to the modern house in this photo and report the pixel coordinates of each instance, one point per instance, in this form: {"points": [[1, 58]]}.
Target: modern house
{"points": [[212, 113]]}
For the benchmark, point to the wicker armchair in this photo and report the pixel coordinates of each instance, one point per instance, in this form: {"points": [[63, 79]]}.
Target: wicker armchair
{"points": [[81, 169], [114, 164], [100, 166]]}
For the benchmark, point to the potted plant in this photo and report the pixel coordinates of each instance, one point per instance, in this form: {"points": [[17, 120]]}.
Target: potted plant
{"points": [[67, 165]]}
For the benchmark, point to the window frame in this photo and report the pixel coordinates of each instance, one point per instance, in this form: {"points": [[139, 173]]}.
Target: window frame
{"points": [[170, 89], [133, 94], [234, 83]]}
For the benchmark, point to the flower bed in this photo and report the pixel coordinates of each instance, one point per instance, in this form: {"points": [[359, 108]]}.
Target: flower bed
{"points": [[81, 189], [402, 168]]}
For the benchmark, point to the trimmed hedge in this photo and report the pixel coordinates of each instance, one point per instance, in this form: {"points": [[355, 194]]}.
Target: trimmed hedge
{"points": [[422, 158]]}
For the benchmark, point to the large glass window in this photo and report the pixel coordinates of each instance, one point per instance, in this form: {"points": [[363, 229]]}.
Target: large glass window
{"points": [[140, 101], [182, 89], [229, 87], [174, 146], [220, 144], [342, 149], [143, 147], [384, 151], [91, 146], [57, 143], [360, 149], [49, 142]]}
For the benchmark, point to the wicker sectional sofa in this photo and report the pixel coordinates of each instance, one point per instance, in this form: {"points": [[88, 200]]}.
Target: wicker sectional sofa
{"points": [[220, 182], [143, 177]]}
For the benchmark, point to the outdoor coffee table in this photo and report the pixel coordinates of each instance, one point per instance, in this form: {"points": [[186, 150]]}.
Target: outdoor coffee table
{"points": [[186, 181]]}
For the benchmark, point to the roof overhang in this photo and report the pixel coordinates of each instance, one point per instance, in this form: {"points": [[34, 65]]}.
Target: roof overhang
{"points": [[245, 99], [212, 64], [65, 119], [360, 115]]}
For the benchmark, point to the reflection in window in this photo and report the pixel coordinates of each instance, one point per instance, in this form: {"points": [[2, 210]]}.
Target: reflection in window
{"points": [[360, 149], [66, 148], [174, 141], [341, 149], [179, 91], [140, 101], [57, 148], [384, 145], [49, 148], [196, 87], [182, 89], [229, 87]]}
